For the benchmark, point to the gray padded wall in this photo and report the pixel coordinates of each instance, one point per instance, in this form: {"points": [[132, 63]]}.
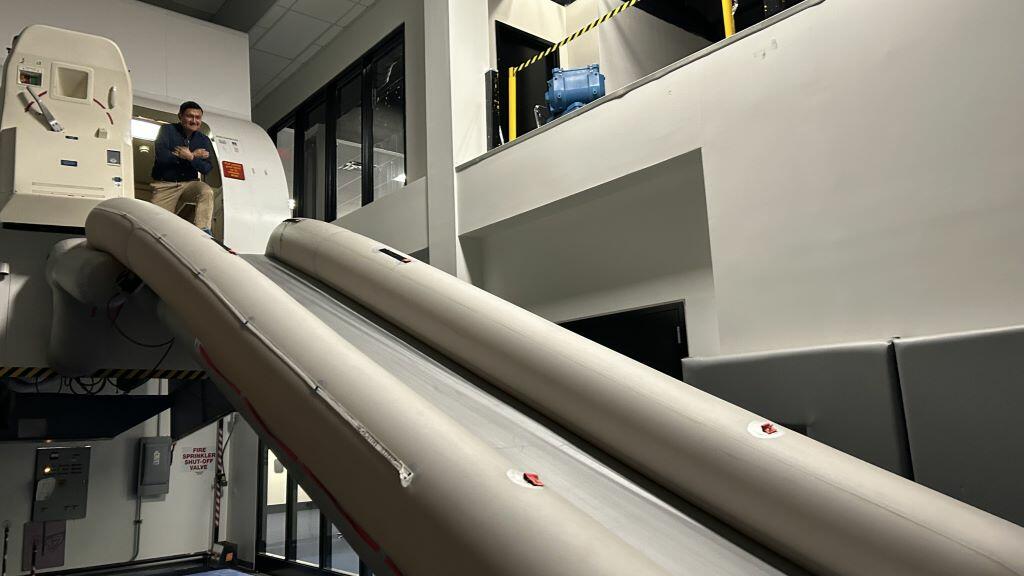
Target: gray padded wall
{"points": [[847, 396], [964, 394]]}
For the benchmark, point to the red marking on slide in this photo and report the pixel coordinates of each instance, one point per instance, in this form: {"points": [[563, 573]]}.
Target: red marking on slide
{"points": [[363, 534]]}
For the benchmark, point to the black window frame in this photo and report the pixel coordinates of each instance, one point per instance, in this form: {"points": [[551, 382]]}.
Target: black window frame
{"points": [[273, 565], [363, 69]]}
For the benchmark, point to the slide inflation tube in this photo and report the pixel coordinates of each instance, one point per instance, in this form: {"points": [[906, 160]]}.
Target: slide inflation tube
{"points": [[410, 489], [827, 510]]}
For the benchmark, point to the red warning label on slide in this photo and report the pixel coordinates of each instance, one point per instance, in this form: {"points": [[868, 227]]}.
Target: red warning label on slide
{"points": [[233, 170]]}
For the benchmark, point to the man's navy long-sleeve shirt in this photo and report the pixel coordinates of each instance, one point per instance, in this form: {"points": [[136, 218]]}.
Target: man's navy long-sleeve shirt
{"points": [[169, 168]]}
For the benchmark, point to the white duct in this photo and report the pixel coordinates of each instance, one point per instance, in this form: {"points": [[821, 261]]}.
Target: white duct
{"points": [[825, 509], [411, 490], [84, 282]]}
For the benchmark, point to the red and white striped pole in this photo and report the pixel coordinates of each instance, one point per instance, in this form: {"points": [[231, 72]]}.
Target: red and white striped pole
{"points": [[218, 480]]}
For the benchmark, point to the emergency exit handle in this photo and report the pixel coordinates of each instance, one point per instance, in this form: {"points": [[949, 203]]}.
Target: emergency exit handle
{"points": [[54, 125]]}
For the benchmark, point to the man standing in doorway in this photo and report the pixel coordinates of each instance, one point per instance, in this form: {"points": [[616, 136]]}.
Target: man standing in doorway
{"points": [[182, 154]]}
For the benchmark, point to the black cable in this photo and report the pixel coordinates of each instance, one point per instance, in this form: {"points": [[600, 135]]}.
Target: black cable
{"points": [[93, 388], [170, 345], [113, 322]]}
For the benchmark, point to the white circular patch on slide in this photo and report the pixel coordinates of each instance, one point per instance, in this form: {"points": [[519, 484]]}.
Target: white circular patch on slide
{"points": [[516, 476], [765, 429]]}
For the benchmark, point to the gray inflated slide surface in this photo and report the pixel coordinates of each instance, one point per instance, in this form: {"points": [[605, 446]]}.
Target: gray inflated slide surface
{"points": [[440, 486], [412, 490], [673, 539], [831, 512]]}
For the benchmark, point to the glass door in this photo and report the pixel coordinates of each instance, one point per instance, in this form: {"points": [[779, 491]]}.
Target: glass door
{"points": [[388, 77], [294, 536], [349, 148], [314, 159]]}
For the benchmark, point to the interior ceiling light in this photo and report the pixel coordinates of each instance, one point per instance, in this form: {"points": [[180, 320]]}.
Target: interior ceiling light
{"points": [[144, 129]]}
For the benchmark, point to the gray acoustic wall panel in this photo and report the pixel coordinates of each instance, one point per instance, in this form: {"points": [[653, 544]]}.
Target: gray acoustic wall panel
{"points": [[964, 394], [846, 396]]}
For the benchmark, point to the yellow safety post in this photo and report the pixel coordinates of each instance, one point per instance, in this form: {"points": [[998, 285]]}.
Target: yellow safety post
{"points": [[730, 22], [511, 104]]}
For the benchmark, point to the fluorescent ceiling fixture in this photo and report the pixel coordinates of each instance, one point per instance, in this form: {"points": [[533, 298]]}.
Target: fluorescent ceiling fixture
{"points": [[144, 130], [399, 178], [291, 203]]}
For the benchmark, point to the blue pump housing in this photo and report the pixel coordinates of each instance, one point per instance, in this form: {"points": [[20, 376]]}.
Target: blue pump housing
{"points": [[573, 88]]}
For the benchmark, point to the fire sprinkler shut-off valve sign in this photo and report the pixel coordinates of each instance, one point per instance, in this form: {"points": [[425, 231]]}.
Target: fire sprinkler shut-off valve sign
{"points": [[198, 459]]}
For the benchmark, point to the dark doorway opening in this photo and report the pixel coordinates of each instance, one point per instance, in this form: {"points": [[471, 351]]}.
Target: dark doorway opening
{"points": [[655, 336], [513, 48]]}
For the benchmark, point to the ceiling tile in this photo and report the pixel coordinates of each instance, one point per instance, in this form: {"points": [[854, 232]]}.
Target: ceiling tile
{"points": [[329, 10], [326, 37], [290, 35], [270, 17], [274, 83], [263, 67], [308, 53], [351, 15], [255, 34], [290, 69]]}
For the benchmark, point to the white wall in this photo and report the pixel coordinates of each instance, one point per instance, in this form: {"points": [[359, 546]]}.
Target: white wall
{"points": [[634, 44], [243, 450], [398, 220], [862, 179], [172, 58], [635, 242], [585, 49], [469, 63], [178, 523]]}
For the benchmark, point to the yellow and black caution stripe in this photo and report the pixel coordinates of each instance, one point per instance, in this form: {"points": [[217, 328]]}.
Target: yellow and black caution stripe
{"points": [[576, 34], [42, 373], [27, 373]]}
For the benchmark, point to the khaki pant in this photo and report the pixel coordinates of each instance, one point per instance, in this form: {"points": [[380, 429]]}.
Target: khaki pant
{"points": [[172, 196]]}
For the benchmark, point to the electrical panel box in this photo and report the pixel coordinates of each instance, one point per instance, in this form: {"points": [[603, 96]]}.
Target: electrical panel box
{"points": [[42, 545], [154, 466], [62, 484]]}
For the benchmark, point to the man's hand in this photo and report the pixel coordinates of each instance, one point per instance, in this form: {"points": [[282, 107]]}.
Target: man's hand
{"points": [[201, 153], [183, 152]]}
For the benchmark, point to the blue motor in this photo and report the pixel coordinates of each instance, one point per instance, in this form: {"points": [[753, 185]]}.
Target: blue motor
{"points": [[573, 88]]}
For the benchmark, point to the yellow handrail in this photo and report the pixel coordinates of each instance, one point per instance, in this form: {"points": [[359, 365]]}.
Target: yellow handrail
{"points": [[511, 104], [730, 22]]}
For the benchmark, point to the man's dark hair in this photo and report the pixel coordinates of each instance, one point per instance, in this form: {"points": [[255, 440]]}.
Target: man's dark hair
{"points": [[189, 106]]}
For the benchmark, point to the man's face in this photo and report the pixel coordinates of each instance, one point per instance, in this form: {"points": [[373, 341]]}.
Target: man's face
{"points": [[191, 119]]}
